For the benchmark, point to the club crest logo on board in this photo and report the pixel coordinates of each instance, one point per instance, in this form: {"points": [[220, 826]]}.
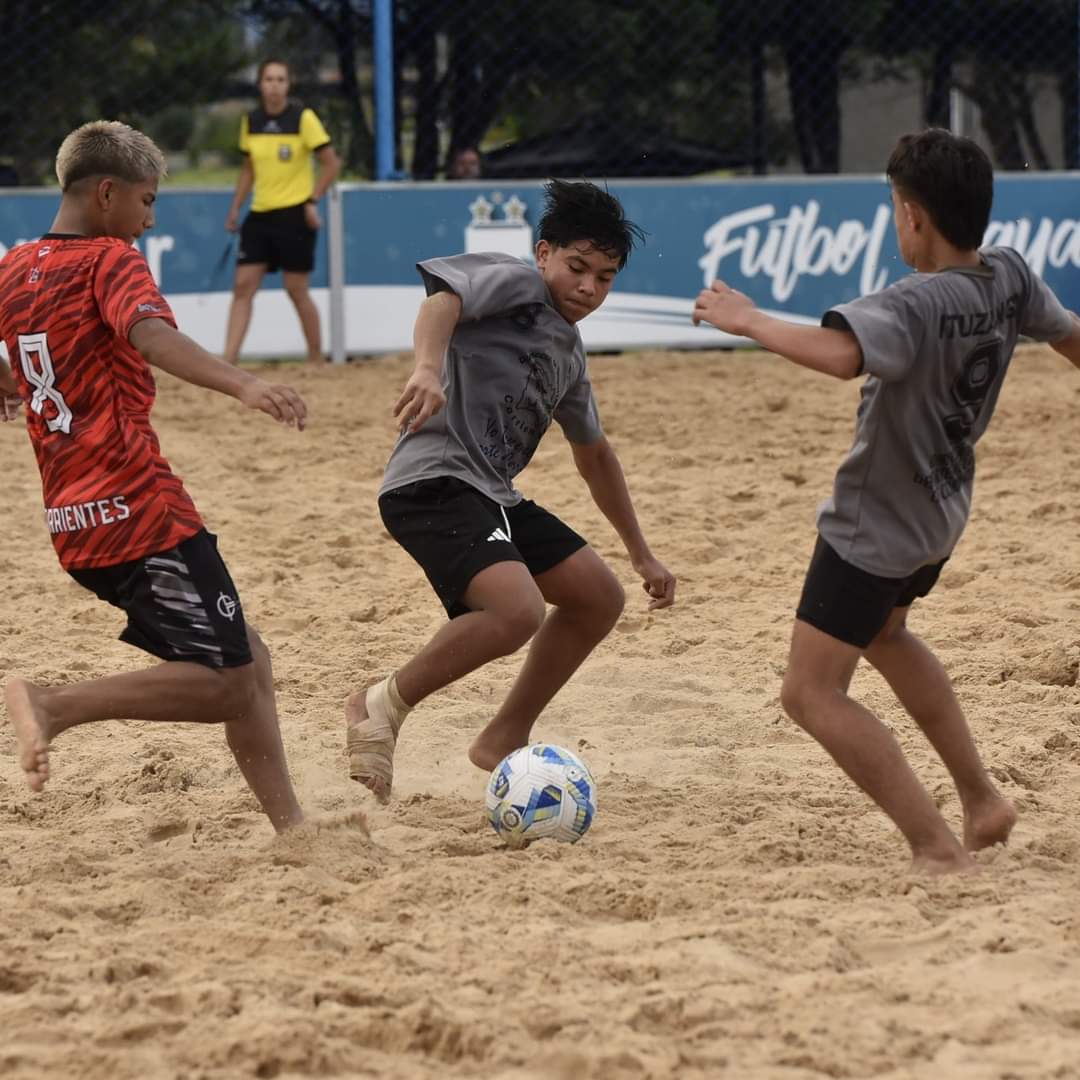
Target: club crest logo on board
{"points": [[509, 233]]}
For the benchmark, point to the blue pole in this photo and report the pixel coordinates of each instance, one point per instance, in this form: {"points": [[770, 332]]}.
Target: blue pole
{"points": [[384, 89]]}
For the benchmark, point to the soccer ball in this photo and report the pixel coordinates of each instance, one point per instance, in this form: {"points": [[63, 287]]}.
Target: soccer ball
{"points": [[540, 791]]}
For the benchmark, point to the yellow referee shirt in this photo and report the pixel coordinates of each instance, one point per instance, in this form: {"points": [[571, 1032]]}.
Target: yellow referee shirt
{"points": [[280, 149]]}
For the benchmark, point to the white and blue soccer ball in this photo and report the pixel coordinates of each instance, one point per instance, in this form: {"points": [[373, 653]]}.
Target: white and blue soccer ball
{"points": [[539, 791]]}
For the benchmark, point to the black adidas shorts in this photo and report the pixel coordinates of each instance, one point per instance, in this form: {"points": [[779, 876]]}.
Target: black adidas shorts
{"points": [[851, 605], [181, 604], [282, 239], [454, 532]]}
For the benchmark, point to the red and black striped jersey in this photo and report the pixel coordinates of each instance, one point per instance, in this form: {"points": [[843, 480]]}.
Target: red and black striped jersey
{"points": [[67, 305]]}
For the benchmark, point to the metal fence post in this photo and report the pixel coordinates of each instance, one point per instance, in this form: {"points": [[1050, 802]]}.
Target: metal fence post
{"points": [[335, 240], [383, 48], [956, 111]]}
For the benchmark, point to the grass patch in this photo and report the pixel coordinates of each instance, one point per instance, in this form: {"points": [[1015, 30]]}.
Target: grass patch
{"points": [[215, 176]]}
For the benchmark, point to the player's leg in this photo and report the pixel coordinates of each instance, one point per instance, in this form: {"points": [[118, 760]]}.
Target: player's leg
{"points": [[255, 742], [296, 285], [505, 610], [241, 698], [296, 241], [182, 607], [923, 687], [842, 609], [245, 285], [814, 695], [587, 600], [172, 692], [459, 537]]}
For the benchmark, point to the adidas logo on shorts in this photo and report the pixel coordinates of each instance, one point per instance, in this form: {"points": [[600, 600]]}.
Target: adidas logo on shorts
{"points": [[498, 534]]}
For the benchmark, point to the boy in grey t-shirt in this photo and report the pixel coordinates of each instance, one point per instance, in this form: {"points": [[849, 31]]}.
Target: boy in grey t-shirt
{"points": [[935, 348], [498, 357]]}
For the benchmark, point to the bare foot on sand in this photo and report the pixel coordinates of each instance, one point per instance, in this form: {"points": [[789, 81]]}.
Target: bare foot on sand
{"points": [[370, 743], [989, 823], [31, 731], [492, 745], [938, 862]]}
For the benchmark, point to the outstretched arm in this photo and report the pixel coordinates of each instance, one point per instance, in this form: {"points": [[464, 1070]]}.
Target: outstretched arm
{"points": [[600, 467], [174, 352], [423, 395], [1070, 347], [833, 352]]}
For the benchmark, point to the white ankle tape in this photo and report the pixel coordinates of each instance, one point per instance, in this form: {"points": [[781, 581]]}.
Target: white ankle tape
{"points": [[383, 700]]}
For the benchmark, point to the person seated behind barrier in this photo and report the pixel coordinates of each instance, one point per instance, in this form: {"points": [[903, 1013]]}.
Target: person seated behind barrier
{"points": [[466, 164], [935, 347], [498, 358]]}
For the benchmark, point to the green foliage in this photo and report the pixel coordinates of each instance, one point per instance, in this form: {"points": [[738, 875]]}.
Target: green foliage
{"points": [[173, 128], [521, 70], [223, 176], [484, 72], [219, 134], [129, 60]]}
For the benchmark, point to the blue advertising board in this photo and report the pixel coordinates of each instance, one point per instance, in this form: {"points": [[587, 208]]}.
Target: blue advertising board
{"points": [[795, 245]]}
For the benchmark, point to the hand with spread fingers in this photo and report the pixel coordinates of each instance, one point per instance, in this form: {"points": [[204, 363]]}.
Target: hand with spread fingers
{"points": [[421, 399], [723, 307]]}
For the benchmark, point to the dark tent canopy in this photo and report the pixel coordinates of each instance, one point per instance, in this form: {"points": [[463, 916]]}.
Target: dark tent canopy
{"points": [[601, 147]]}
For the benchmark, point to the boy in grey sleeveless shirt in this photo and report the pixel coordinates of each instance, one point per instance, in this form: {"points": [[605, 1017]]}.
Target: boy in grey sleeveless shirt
{"points": [[498, 357], [935, 348]]}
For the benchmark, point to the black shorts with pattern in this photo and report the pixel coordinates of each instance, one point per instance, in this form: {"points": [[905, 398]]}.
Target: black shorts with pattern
{"points": [[181, 604]]}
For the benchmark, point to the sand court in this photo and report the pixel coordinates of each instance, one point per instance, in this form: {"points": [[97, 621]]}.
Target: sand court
{"points": [[738, 908]]}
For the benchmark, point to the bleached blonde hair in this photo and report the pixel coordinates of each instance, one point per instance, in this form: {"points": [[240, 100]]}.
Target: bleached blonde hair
{"points": [[108, 148]]}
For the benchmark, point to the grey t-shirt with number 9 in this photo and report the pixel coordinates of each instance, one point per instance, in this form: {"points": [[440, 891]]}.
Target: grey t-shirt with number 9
{"points": [[513, 365], [936, 348]]}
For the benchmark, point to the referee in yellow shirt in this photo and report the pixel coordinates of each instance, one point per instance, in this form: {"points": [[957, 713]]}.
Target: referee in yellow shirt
{"points": [[279, 140]]}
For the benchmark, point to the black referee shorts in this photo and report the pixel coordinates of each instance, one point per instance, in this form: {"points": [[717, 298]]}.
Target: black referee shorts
{"points": [[282, 239]]}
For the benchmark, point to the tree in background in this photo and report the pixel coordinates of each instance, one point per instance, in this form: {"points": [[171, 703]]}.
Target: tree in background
{"points": [[814, 36], [125, 60], [992, 51], [488, 73], [474, 72]]}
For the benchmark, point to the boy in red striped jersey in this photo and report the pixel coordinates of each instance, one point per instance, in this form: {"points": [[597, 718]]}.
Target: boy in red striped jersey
{"points": [[83, 320]]}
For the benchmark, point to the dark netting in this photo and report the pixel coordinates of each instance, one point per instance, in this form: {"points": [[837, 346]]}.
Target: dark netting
{"points": [[599, 88]]}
